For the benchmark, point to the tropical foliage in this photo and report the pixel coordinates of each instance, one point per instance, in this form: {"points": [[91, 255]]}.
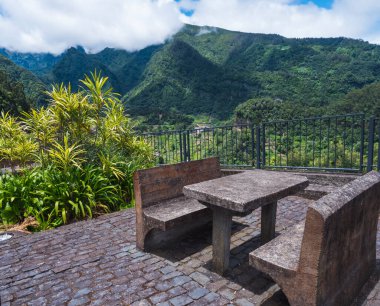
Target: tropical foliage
{"points": [[20, 89], [83, 153]]}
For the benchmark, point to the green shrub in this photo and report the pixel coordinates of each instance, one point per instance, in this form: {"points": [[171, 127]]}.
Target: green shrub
{"points": [[74, 195], [17, 195], [84, 151]]}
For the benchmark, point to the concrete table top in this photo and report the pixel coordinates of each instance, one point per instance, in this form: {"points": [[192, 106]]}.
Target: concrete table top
{"points": [[244, 192]]}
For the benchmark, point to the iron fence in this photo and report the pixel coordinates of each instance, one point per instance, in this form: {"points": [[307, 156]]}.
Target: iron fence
{"points": [[335, 143]]}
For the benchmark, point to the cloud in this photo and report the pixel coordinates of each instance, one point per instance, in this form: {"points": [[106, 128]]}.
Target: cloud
{"points": [[55, 25], [203, 31], [349, 18]]}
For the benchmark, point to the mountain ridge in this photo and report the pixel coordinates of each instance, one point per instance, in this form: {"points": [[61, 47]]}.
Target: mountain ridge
{"points": [[210, 71]]}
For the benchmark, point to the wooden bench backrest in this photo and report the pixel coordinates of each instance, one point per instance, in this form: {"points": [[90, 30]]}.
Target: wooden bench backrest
{"points": [[338, 250], [166, 182]]}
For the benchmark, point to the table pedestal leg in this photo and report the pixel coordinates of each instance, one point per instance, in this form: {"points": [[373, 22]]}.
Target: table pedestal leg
{"points": [[221, 236], [268, 222]]}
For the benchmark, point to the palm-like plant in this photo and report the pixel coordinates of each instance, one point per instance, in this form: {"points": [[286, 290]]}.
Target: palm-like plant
{"points": [[16, 146], [72, 112], [112, 166], [42, 125], [89, 125], [65, 156], [10, 127], [98, 92]]}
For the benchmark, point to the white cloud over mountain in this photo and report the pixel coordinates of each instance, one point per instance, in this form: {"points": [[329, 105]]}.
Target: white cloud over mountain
{"points": [[350, 18], [54, 25]]}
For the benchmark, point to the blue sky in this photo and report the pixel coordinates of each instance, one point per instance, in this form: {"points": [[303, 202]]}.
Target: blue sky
{"points": [[55, 25], [327, 4], [321, 3]]}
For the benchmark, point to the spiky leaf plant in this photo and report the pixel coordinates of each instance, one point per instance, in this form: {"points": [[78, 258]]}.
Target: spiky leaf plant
{"points": [[84, 154]]}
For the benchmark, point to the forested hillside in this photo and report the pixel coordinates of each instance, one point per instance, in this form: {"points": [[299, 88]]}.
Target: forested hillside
{"points": [[210, 71], [19, 88], [12, 97], [180, 77]]}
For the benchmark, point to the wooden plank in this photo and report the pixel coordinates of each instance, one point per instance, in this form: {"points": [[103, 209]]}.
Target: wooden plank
{"points": [[268, 222], [221, 236]]}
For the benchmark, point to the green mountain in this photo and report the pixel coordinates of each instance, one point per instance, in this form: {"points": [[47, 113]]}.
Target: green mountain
{"points": [[19, 88], [38, 63], [123, 68], [180, 77], [74, 64], [299, 74], [307, 73], [210, 71], [12, 97]]}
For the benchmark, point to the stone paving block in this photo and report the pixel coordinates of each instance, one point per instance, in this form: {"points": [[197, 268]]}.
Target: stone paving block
{"points": [[38, 302], [176, 291], [215, 286], [167, 269], [164, 304], [152, 275], [198, 293], [181, 300], [96, 262], [171, 275], [159, 298], [146, 293], [191, 285], [82, 292], [164, 286], [180, 280], [200, 278], [227, 293], [243, 302], [79, 301], [141, 303]]}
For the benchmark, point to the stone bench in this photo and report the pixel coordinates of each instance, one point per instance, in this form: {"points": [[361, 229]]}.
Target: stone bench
{"points": [[326, 259], [322, 184], [163, 213], [316, 191]]}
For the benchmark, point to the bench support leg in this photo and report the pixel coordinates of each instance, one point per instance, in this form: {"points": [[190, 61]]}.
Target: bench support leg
{"points": [[268, 222], [221, 236]]}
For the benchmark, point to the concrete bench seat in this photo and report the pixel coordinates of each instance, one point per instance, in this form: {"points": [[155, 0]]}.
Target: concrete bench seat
{"points": [[327, 259], [163, 213], [283, 252], [316, 191], [322, 184], [167, 214]]}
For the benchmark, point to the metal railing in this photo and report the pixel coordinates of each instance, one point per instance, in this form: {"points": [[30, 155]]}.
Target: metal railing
{"points": [[335, 143]]}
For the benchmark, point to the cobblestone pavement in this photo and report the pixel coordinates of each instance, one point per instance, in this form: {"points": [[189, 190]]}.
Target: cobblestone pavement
{"points": [[96, 262]]}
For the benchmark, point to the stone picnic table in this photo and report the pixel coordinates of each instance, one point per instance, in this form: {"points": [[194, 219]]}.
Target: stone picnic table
{"points": [[240, 194]]}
